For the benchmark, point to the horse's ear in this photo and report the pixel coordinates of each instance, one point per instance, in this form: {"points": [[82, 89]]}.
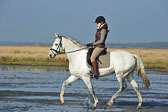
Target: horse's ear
{"points": [[57, 35]]}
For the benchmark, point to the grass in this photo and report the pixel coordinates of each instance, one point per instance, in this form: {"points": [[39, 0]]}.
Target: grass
{"points": [[29, 55], [38, 55]]}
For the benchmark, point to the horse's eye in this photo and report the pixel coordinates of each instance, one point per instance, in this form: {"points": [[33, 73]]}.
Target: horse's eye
{"points": [[56, 44]]}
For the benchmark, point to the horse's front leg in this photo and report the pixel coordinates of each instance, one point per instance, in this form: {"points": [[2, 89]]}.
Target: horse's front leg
{"points": [[68, 81], [88, 83]]}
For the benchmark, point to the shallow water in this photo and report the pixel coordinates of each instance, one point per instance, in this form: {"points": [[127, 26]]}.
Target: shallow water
{"points": [[37, 90]]}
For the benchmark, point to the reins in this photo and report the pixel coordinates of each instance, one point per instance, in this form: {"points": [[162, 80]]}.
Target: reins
{"points": [[76, 50], [67, 52], [60, 45]]}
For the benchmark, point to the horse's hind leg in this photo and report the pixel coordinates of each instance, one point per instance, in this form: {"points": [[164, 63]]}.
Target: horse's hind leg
{"points": [[68, 81], [136, 88], [122, 87]]}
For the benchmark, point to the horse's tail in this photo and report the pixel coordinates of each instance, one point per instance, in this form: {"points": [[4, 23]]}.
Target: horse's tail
{"points": [[141, 71]]}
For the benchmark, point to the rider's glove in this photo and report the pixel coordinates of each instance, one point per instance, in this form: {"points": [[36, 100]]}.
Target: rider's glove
{"points": [[89, 44]]}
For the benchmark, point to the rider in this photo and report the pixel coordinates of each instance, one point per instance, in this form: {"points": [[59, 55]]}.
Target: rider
{"points": [[99, 43]]}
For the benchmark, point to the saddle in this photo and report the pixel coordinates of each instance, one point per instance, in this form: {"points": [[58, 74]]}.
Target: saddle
{"points": [[103, 59]]}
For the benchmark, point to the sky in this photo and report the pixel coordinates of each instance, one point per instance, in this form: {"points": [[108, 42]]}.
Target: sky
{"points": [[128, 20]]}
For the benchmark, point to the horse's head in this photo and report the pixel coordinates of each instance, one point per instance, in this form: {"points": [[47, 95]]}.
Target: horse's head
{"points": [[57, 47]]}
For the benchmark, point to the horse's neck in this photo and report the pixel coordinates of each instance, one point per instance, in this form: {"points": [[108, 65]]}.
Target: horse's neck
{"points": [[70, 46]]}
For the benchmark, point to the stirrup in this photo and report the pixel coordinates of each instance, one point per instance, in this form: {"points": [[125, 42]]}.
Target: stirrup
{"points": [[92, 73]]}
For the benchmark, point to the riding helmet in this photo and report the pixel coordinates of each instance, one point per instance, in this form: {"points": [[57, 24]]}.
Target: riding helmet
{"points": [[100, 19]]}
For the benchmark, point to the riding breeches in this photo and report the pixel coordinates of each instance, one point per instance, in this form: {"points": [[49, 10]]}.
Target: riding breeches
{"points": [[95, 53]]}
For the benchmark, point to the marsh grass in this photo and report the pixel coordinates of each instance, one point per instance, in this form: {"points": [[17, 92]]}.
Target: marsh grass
{"points": [[38, 55], [29, 55]]}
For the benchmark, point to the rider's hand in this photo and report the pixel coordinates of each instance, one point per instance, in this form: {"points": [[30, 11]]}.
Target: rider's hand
{"points": [[89, 44]]}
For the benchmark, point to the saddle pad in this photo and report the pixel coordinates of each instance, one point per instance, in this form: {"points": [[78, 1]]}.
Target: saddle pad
{"points": [[104, 61]]}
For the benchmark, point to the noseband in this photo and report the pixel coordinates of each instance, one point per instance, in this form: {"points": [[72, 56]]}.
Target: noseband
{"points": [[57, 51]]}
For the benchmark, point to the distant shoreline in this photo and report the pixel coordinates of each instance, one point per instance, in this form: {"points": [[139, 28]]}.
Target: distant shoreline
{"points": [[150, 45]]}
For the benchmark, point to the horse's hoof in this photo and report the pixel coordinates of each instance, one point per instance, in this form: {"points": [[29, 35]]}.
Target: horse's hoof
{"points": [[110, 103], [62, 101], [107, 107], [138, 107], [93, 108]]}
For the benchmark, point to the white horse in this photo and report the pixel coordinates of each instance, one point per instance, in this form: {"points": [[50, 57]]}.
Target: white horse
{"points": [[122, 63]]}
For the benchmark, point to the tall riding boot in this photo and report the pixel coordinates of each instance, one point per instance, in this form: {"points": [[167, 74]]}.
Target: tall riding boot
{"points": [[95, 68]]}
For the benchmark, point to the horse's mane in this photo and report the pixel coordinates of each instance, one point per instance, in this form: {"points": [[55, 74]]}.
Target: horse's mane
{"points": [[74, 41]]}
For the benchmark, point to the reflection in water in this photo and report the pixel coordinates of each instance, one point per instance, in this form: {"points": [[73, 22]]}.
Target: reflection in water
{"points": [[27, 88]]}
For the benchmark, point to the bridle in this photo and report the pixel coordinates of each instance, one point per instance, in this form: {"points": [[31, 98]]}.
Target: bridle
{"points": [[58, 50]]}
